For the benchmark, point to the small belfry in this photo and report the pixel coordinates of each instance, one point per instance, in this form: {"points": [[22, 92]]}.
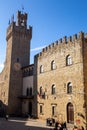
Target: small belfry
{"points": [[21, 19]]}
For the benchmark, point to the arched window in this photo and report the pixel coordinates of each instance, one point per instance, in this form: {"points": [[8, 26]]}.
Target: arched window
{"points": [[27, 92], [53, 89], [69, 88], [68, 60], [31, 91], [41, 90], [41, 109], [41, 69], [53, 65]]}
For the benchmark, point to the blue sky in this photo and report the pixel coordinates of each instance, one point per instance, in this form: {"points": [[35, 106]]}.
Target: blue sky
{"points": [[50, 19]]}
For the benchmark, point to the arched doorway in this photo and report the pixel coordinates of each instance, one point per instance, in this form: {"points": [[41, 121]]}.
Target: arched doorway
{"points": [[70, 113], [30, 109]]}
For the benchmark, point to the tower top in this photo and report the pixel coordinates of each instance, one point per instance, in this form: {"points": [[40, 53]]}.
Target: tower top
{"points": [[21, 19], [19, 26]]}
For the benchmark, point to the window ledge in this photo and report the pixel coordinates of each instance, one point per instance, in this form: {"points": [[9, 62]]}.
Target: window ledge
{"points": [[69, 64]]}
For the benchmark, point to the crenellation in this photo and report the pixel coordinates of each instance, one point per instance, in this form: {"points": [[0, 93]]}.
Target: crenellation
{"points": [[64, 39], [40, 54], [74, 37], [80, 35], [60, 40], [49, 47], [43, 50], [70, 39], [56, 42], [53, 44], [21, 19], [18, 30], [36, 56]]}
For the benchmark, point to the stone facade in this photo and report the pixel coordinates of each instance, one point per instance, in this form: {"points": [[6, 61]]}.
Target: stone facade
{"points": [[61, 80]]}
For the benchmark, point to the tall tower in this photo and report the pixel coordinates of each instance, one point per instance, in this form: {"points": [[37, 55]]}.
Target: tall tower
{"points": [[17, 56]]}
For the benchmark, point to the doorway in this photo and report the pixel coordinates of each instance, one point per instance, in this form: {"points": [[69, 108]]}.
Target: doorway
{"points": [[30, 108], [70, 113]]}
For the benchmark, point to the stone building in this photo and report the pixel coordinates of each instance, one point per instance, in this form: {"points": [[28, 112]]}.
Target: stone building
{"points": [[60, 79], [54, 86], [18, 38], [27, 97]]}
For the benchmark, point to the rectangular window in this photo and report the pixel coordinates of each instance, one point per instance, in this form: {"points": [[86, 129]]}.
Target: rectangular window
{"points": [[17, 59], [41, 109], [53, 110]]}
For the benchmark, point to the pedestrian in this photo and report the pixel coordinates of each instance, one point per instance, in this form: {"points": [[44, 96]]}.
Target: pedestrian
{"points": [[6, 117]]}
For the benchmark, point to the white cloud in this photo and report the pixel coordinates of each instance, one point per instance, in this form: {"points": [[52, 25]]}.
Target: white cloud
{"points": [[1, 65], [34, 49], [38, 48]]}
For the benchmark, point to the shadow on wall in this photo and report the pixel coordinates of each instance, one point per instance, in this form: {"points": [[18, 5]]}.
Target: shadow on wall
{"points": [[2, 109]]}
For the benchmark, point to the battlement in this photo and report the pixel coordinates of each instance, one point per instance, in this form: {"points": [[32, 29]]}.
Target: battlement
{"points": [[13, 28], [19, 26], [21, 19], [62, 41]]}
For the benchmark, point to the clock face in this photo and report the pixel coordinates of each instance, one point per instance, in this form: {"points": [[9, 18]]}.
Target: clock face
{"points": [[17, 66]]}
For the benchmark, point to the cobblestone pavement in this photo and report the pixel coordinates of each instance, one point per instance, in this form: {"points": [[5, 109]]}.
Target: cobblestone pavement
{"points": [[23, 124]]}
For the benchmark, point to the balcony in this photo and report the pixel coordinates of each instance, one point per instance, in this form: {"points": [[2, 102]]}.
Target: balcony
{"points": [[26, 97]]}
